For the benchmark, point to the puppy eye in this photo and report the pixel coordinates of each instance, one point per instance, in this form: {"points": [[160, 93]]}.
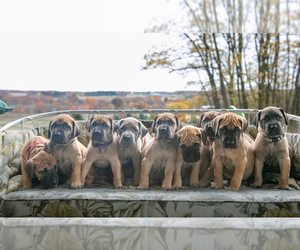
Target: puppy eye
{"points": [[158, 122], [105, 125], [135, 130], [223, 129], [195, 145], [278, 117], [45, 170], [66, 125], [170, 122], [237, 129], [183, 146], [265, 119]]}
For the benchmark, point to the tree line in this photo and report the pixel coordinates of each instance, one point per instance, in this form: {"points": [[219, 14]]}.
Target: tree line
{"points": [[244, 53], [246, 70]]}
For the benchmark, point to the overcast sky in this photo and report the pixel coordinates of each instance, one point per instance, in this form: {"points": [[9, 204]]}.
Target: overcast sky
{"points": [[76, 45]]}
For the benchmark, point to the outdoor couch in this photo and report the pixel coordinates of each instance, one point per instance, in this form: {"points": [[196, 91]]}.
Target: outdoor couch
{"points": [[102, 200]]}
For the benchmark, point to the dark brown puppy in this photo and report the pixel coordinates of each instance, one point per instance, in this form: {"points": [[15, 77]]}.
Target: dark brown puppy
{"points": [[133, 136], [233, 155], [271, 145], [38, 161], [206, 170], [159, 155], [191, 141], [67, 150], [102, 150]]}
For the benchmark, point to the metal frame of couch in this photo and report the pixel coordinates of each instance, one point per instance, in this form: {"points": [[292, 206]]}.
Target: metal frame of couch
{"points": [[138, 113], [149, 233]]}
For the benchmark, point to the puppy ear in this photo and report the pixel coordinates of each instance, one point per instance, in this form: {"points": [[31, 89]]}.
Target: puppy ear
{"points": [[179, 123], [178, 135], [49, 131], [256, 119], [199, 123], [119, 124], [76, 129], [203, 135], [215, 124], [143, 129], [48, 148], [29, 168], [89, 124], [285, 116], [113, 125], [154, 124], [244, 123]]}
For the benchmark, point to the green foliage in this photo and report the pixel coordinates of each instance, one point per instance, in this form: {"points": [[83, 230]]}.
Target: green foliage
{"points": [[78, 117]]}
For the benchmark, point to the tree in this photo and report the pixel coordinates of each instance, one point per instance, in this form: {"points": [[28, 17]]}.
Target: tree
{"points": [[118, 102]]}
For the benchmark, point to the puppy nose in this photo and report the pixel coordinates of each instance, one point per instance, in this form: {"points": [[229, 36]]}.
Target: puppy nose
{"points": [[230, 142], [274, 126], [57, 134], [163, 129], [98, 132], [127, 137], [209, 128]]}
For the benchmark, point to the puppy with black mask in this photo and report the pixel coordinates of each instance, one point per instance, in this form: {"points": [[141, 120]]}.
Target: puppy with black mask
{"points": [[102, 150], [271, 145]]}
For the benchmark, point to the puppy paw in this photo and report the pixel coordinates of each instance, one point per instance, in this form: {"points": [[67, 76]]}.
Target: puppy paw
{"points": [[232, 188], [142, 188], [216, 187], [88, 181], [121, 187], [255, 186], [284, 188], [194, 184], [177, 187], [167, 188], [204, 184], [74, 186]]}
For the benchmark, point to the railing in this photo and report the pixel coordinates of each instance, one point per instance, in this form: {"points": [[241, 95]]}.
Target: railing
{"points": [[250, 113]]}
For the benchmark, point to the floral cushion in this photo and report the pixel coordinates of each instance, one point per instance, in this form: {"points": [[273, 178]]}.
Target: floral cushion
{"points": [[10, 155], [188, 202]]}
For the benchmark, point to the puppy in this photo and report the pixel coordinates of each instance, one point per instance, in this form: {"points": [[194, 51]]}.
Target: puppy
{"points": [[67, 150], [133, 136], [159, 155], [271, 146], [206, 173], [102, 150], [189, 151], [233, 155], [37, 161]]}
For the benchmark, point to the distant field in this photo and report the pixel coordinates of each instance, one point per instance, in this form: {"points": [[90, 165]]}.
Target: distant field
{"points": [[10, 116]]}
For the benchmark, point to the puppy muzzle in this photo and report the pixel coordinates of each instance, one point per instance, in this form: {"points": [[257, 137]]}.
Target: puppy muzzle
{"points": [[164, 133], [209, 131], [98, 135], [58, 137], [50, 181], [274, 129], [127, 140], [230, 143]]}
